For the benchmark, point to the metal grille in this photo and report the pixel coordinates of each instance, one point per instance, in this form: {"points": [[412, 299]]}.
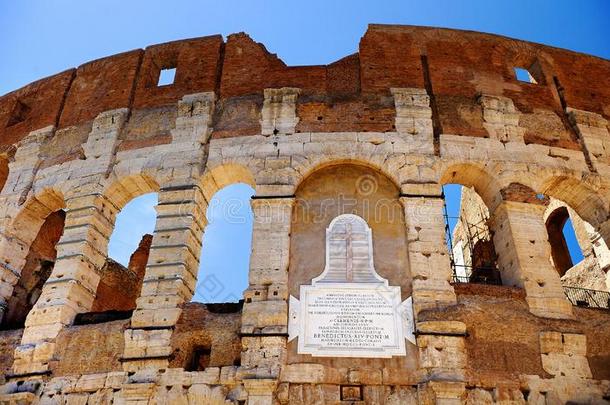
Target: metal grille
{"points": [[583, 297], [476, 280]]}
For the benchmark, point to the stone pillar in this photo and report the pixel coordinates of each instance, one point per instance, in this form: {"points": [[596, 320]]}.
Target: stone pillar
{"points": [[429, 262], [265, 313], [170, 279], [81, 251], [73, 283], [173, 262], [441, 346], [442, 350], [523, 249]]}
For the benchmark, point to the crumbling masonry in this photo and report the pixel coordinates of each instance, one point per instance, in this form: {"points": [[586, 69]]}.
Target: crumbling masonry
{"points": [[414, 109]]}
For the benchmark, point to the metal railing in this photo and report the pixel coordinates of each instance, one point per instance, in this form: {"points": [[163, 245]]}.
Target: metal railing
{"points": [[477, 279], [584, 297], [465, 273]]}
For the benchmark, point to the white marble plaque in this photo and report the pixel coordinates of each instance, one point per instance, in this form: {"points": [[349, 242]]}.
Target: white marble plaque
{"points": [[349, 310]]}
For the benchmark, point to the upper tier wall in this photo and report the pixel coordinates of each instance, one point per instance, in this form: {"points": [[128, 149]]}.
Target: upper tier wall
{"points": [[352, 94]]}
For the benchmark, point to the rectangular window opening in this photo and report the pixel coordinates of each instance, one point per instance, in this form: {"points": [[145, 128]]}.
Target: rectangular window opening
{"points": [[200, 359], [523, 75], [166, 77]]}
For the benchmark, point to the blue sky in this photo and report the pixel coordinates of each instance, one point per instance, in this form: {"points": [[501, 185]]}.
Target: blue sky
{"points": [[41, 37]]}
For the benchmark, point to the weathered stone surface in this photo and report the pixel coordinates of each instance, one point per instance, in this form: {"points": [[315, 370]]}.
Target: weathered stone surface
{"points": [[376, 134]]}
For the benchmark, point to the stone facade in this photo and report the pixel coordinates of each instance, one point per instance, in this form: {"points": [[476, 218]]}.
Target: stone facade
{"points": [[374, 134]]}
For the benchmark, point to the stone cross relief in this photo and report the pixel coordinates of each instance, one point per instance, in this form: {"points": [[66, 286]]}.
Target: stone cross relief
{"points": [[349, 252]]}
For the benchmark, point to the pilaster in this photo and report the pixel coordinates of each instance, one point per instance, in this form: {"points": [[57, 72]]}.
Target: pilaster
{"points": [[428, 256], [265, 313], [170, 279], [523, 249]]}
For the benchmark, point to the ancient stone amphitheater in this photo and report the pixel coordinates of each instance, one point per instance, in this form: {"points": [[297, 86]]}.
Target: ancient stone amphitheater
{"points": [[383, 129]]}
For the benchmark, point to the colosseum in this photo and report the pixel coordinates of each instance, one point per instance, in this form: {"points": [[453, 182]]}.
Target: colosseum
{"points": [[354, 296]]}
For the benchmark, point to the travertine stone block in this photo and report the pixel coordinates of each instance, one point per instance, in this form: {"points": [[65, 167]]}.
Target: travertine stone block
{"points": [[428, 256], [202, 394], [441, 352], [447, 327], [303, 373], [445, 392], [593, 131], [211, 375], [26, 162], [104, 135], [194, 118], [279, 111], [260, 390], [501, 118], [414, 115], [565, 354], [521, 242]]}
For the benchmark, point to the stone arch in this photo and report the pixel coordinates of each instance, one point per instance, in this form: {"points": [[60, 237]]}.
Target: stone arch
{"points": [[218, 177], [123, 189], [472, 250], [587, 203], [26, 224], [229, 222], [305, 171], [29, 244], [335, 189], [120, 285], [477, 177], [208, 185]]}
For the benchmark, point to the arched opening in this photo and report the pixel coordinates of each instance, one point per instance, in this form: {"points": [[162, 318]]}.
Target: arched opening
{"points": [[29, 251], [128, 250], [578, 253], [581, 198], [227, 240], [468, 236], [39, 263], [325, 195], [559, 227]]}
